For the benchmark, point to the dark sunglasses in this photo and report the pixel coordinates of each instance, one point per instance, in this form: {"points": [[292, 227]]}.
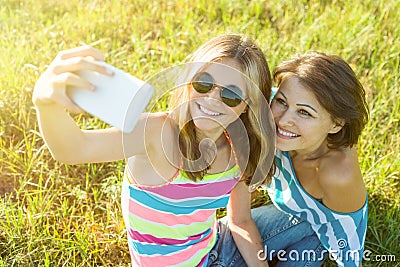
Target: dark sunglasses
{"points": [[203, 83]]}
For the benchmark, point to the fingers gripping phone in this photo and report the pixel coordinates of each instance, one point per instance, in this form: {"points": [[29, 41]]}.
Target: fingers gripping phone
{"points": [[118, 100]]}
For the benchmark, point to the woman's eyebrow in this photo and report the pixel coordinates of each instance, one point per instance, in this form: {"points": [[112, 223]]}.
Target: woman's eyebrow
{"points": [[305, 105], [282, 94], [300, 105]]}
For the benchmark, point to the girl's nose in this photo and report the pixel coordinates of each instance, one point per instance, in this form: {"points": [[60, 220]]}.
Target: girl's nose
{"points": [[215, 94]]}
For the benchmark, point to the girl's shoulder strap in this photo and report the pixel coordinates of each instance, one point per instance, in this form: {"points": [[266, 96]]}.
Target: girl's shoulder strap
{"points": [[232, 149]]}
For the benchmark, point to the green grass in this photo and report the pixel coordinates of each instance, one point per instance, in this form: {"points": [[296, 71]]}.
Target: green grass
{"points": [[57, 215]]}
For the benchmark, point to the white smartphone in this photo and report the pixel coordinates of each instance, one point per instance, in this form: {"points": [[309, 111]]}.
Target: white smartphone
{"points": [[118, 100]]}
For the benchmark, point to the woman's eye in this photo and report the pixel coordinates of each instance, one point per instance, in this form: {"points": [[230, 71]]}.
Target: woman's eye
{"points": [[306, 113], [280, 101]]}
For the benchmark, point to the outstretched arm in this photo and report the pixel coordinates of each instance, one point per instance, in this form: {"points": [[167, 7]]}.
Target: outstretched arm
{"points": [[242, 226], [66, 141]]}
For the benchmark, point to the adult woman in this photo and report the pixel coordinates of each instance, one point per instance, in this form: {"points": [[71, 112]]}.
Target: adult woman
{"points": [[319, 112], [172, 188]]}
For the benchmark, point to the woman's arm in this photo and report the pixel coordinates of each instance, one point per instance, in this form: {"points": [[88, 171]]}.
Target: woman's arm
{"points": [[66, 141], [242, 226]]}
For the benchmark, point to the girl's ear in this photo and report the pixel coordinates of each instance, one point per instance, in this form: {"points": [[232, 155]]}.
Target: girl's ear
{"points": [[337, 126]]}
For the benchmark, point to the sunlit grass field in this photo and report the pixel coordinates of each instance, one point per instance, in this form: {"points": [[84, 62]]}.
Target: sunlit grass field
{"points": [[57, 215]]}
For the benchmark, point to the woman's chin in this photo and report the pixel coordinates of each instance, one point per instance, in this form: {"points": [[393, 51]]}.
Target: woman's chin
{"points": [[207, 124]]}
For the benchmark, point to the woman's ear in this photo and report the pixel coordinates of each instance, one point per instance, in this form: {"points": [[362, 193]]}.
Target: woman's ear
{"points": [[338, 125]]}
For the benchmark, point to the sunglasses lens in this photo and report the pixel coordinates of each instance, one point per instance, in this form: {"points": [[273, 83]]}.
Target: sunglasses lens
{"points": [[232, 95], [202, 82]]}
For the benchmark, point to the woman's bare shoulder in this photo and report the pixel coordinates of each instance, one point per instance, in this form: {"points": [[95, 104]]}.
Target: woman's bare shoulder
{"points": [[339, 166], [161, 133], [341, 180]]}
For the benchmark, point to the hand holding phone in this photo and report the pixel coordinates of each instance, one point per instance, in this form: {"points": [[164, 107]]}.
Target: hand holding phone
{"points": [[117, 100]]}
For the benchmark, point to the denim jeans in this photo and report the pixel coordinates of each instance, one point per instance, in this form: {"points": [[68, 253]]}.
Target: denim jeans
{"points": [[284, 236]]}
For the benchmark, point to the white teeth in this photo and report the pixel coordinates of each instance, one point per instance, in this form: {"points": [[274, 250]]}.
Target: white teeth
{"points": [[286, 133], [208, 112]]}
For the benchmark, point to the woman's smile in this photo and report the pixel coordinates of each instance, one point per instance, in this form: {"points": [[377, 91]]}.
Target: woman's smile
{"points": [[285, 134], [208, 111]]}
